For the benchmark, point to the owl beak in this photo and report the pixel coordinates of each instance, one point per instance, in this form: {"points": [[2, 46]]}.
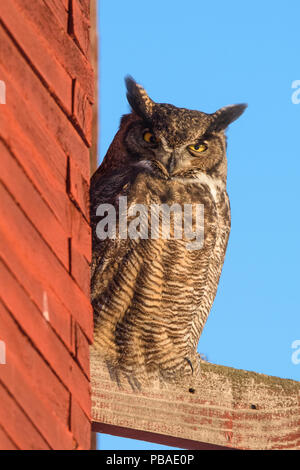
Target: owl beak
{"points": [[171, 163]]}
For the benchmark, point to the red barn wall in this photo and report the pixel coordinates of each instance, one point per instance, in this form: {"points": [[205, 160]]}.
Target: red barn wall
{"points": [[45, 247]]}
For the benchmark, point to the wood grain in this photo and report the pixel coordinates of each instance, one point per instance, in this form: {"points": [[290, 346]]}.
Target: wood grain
{"points": [[227, 407], [46, 319]]}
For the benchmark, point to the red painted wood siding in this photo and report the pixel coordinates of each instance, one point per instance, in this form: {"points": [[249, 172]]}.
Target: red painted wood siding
{"points": [[45, 247]]}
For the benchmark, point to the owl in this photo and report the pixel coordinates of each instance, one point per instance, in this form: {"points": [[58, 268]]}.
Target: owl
{"points": [[153, 287]]}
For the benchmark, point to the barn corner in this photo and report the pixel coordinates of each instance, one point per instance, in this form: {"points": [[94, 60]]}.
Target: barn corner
{"points": [[48, 144]]}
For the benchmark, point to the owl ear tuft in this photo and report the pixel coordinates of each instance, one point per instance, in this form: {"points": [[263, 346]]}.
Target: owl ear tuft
{"points": [[138, 98], [225, 116]]}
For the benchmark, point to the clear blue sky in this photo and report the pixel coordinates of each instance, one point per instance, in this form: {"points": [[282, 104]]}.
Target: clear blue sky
{"points": [[204, 55]]}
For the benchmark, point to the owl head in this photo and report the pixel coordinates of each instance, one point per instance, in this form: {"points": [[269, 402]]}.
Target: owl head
{"points": [[181, 141]]}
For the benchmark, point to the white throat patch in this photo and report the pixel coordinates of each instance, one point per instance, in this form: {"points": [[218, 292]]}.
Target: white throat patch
{"points": [[214, 184]]}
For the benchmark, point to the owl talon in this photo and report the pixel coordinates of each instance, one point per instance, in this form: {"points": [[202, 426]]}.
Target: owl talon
{"points": [[190, 363]]}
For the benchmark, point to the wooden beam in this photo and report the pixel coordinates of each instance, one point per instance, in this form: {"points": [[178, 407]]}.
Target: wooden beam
{"points": [[94, 440], [156, 438], [226, 408]]}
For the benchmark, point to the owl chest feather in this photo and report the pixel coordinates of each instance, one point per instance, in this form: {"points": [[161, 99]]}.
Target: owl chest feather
{"points": [[157, 291], [189, 277], [155, 271]]}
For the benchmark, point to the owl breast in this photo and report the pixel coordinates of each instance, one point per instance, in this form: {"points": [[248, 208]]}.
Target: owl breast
{"points": [[152, 295]]}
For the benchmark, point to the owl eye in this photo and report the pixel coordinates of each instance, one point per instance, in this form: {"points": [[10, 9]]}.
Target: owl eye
{"points": [[149, 137], [197, 148]]}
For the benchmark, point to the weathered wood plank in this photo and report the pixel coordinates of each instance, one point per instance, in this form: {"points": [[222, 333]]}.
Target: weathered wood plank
{"points": [[6, 442], [38, 106], [226, 407], [79, 28], [33, 205], [17, 424], [60, 45], [44, 398], [156, 438], [58, 81], [44, 339], [44, 263], [60, 9]]}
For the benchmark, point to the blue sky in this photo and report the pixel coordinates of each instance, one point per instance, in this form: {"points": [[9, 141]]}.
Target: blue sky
{"points": [[204, 55]]}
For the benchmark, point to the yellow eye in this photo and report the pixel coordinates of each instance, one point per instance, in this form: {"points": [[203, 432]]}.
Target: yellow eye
{"points": [[149, 137], [198, 148]]}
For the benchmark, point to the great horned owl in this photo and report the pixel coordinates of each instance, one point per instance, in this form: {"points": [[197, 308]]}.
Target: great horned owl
{"points": [[152, 295]]}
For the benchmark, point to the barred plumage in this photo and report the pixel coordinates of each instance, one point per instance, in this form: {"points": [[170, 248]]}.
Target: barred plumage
{"points": [[151, 297]]}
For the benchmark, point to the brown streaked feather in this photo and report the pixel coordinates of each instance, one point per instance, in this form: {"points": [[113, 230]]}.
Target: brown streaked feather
{"points": [[151, 298]]}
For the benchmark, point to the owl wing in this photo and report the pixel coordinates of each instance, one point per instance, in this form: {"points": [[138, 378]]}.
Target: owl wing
{"points": [[116, 266]]}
